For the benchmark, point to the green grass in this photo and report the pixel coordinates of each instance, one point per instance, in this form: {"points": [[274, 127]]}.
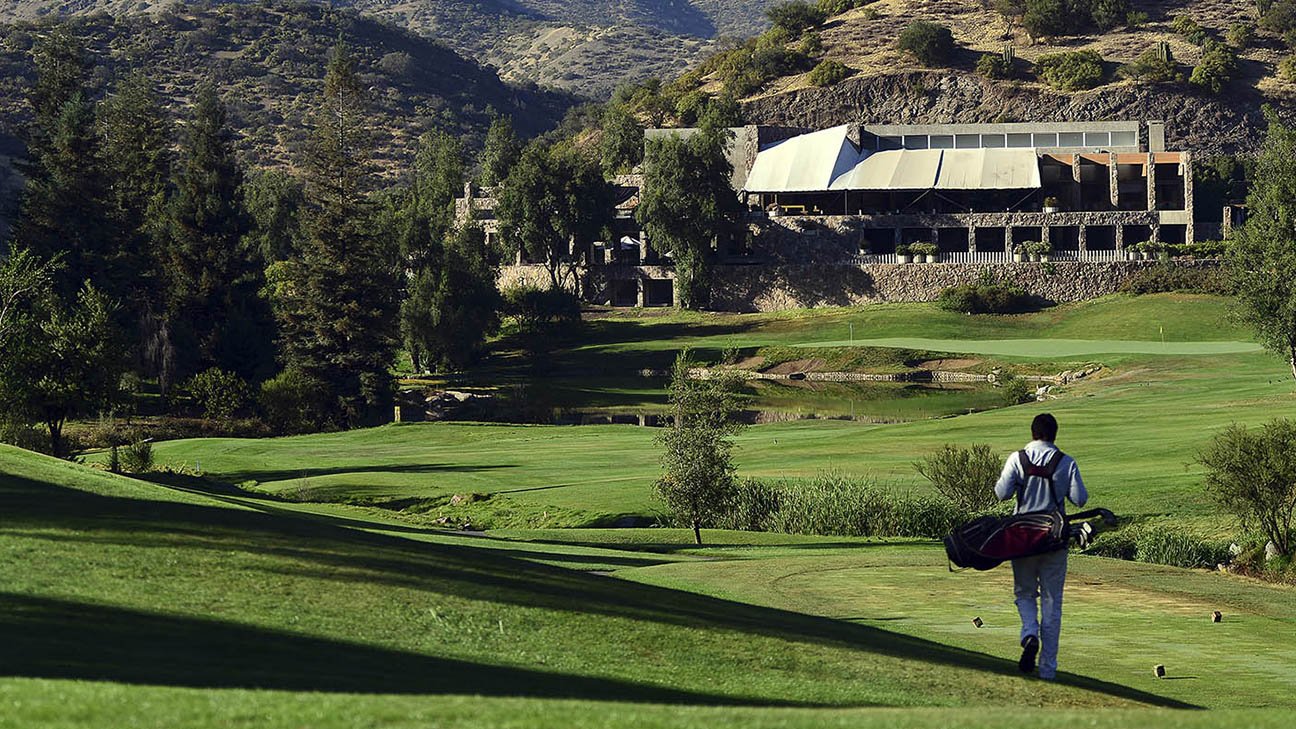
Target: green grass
{"points": [[131, 604]]}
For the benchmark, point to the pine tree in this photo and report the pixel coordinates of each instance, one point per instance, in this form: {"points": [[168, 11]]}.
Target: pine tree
{"points": [[136, 137], [212, 281], [63, 207], [464, 306], [338, 313]]}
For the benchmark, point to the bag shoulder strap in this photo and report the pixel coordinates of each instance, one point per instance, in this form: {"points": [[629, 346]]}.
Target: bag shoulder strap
{"points": [[1046, 472]]}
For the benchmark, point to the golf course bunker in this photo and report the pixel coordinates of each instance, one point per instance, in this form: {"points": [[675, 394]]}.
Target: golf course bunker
{"points": [[1047, 348]]}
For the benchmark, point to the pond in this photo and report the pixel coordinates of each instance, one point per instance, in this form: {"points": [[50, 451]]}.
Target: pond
{"points": [[643, 401]]}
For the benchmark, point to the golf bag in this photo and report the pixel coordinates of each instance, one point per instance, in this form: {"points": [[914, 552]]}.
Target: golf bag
{"points": [[989, 541]]}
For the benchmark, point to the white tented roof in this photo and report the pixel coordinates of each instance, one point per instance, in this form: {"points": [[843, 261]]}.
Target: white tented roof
{"points": [[895, 169], [988, 169], [827, 160], [805, 163]]}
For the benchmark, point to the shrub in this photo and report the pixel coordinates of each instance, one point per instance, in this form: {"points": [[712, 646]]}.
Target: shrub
{"points": [[1071, 71], [1188, 27], [17, 432], [794, 16], [137, 457], [811, 45], [1136, 19], [220, 394], [985, 298], [1045, 18], [836, 7], [1287, 69], [994, 65], [1168, 277], [1109, 14], [1162, 546], [1153, 68], [965, 476], [834, 504], [291, 402], [1239, 35], [1215, 69], [1248, 472], [828, 73], [1015, 390], [539, 311], [931, 43]]}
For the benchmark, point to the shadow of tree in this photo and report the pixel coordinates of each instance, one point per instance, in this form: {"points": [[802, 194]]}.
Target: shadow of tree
{"points": [[86, 644]]}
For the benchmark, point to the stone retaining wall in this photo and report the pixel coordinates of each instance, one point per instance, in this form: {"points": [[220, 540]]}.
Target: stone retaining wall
{"points": [[772, 288]]}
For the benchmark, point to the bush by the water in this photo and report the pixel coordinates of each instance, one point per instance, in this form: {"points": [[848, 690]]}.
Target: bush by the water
{"points": [[837, 505], [220, 394], [541, 310], [1072, 70], [985, 298], [1168, 277], [291, 402], [965, 476]]}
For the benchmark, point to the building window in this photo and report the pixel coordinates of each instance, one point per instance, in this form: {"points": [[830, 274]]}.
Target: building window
{"points": [[1019, 140], [967, 141], [1124, 139], [942, 141], [1071, 139], [1046, 139], [915, 141], [992, 140], [1097, 139]]}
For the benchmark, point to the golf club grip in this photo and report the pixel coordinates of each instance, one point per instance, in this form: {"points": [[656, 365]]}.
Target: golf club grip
{"points": [[1091, 513]]}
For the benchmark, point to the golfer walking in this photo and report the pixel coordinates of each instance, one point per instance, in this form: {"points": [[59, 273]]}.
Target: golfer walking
{"points": [[1042, 478]]}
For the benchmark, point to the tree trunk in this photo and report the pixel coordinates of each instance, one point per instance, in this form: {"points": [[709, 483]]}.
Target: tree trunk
{"points": [[697, 532], [56, 436], [1291, 359]]}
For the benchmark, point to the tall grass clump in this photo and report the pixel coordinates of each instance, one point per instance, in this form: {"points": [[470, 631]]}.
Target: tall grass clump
{"points": [[1159, 544], [837, 505]]}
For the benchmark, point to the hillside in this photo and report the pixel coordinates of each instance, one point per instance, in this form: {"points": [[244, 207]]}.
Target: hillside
{"points": [[586, 46], [886, 85], [269, 62]]}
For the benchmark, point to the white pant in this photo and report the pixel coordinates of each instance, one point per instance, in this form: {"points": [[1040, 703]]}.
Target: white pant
{"points": [[1041, 577]]}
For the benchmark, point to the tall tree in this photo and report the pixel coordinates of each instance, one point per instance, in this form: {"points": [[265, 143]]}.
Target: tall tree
{"points": [[338, 312], [425, 223], [500, 152], [623, 139], [63, 206], [212, 279], [274, 201], [136, 139], [459, 303], [61, 71], [687, 202], [1262, 259], [554, 203], [698, 471]]}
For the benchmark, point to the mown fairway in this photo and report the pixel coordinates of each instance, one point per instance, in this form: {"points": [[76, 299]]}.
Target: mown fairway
{"points": [[1135, 431], [128, 604]]}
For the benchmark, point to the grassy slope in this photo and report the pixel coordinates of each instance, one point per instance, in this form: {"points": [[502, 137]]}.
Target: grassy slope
{"points": [[133, 605], [1134, 433], [104, 584]]}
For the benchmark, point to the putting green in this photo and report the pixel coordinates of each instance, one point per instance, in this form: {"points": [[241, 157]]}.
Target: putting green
{"points": [[1045, 348]]}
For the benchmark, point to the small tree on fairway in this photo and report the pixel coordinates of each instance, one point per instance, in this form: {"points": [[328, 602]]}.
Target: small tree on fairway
{"points": [[1252, 473], [965, 476], [698, 479], [1262, 259]]}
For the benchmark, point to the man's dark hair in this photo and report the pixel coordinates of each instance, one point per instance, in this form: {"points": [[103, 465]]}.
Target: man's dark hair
{"points": [[1044, 427]]}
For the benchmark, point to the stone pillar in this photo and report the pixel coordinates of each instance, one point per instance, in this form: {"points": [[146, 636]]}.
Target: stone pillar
{"points": [[1120, 237], [1226, 224], [640, 291], [1185, 166], [1082, 237], [1077, 196], [1045, 233], [675, 292], [1008, 244], [1151, 181], [1113, 180], [1155, 236], [971, 241]]}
